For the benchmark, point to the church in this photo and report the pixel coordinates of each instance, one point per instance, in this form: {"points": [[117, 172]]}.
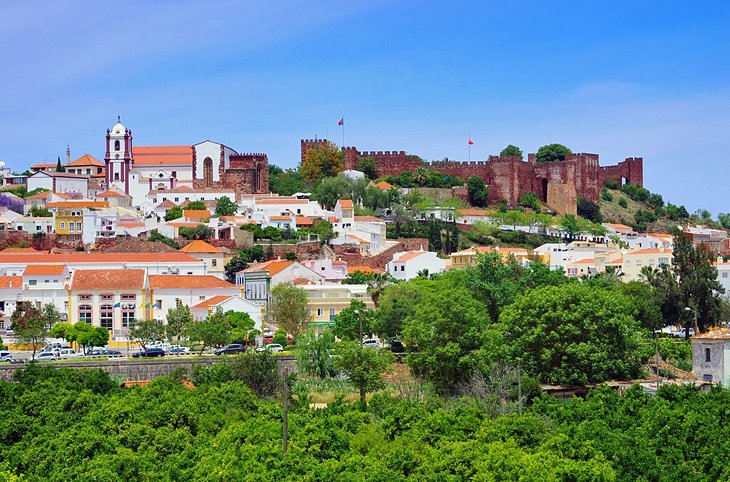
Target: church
{"points": [[137, 170]]}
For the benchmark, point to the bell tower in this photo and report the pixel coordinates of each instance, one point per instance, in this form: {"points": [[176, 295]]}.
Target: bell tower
{"points": [[118, 158]]}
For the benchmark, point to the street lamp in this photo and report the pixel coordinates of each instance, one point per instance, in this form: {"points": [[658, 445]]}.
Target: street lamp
{"points": [[359, 320], [686, 329]]}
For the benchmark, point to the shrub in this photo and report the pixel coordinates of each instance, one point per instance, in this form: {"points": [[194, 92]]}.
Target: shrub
{"points": [[611, 183], [606, 196], [280, 337], [623, 202]]}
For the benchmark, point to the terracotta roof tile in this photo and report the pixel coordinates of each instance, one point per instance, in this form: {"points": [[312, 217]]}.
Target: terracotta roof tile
{"points": [[383, 185], [76, 258], [43, 165], [471, 212], [650, 251], [363, 269], [86, 160], [199, 214], [22, 250], [162, 155], [409, 256], [304, 221], [110, 193], [345, 203], [166, 204], [108, 279], [368, 219], [302, 281], [11, 282], [171, 281], [199, 246], [273, 267], [215, 300], [44, 269], [280, 218], [78, 204]]}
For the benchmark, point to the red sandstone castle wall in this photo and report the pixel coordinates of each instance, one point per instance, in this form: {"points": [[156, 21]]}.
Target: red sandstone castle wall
{"points": [[507, 177]]}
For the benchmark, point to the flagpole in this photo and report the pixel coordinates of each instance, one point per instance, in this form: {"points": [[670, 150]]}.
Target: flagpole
{"points": [[343, 131]]}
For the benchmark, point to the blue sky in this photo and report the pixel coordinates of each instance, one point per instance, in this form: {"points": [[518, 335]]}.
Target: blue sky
{"points": [[620, 79]]}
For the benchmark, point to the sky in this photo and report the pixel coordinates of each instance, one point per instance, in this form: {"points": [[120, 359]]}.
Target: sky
{"points": [[620, 79]]}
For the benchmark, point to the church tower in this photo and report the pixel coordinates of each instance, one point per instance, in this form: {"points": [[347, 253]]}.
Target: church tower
{"points": [[118, 158]]}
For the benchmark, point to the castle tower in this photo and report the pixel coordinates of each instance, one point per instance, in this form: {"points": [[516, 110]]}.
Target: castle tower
{"points": [[118, 158], [68, 154]]}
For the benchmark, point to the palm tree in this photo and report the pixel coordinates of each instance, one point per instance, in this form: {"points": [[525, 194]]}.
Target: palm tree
{"points": [[377, 285]]}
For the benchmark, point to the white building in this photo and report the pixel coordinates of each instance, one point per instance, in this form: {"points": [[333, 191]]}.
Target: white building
{"points": [[333, 270], [59, 182], [168, 291], [228, 303], [407, 264]]}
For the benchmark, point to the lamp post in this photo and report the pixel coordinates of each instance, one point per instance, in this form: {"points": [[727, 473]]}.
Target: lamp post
{"points": [[686, 328], [359, 320]]}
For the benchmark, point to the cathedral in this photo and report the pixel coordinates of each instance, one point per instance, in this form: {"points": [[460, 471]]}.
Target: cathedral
{"points": [[137, 170]]}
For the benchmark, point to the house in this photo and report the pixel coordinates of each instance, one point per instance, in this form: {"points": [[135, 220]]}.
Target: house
{"points": [[326, 300], [345, 212], [711, 356], [34, 225], [212, 257], [168, 291], [635, 260], [407, 265], [226, 303], [472, 215], [69, 217], [196, 215], [723, 274], [258, 279], [49, 166], [62, 182], [468, 257], [110, 298], [333, 270], [115, 198], [40, 199], [11, 287], [86, 165]]}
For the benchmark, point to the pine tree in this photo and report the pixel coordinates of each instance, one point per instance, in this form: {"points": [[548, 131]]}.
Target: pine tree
{"points": [[59, 166]]}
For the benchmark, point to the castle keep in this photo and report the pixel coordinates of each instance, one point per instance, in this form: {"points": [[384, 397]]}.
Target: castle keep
{"points": [[509, 177]]}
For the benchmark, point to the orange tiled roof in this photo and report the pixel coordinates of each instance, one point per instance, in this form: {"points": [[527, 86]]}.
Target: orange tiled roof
{"points": [[108, 279], [619, 226], [41, 269], [383, 185], [304, 221], [345, 203], [162, 155], [170, 281], [585, 261], [409, 256], [204, 305], [166, 204], [363, 269], [651, 251], [196, 214], [180, 224], [11, 282], [332, 219], [302, 281], [43, 165], [368, 219], [357, 238], [471, 212], [338, 261], [272, 267], [110, 193], [86, 160], [78, 204], [199, 246]]}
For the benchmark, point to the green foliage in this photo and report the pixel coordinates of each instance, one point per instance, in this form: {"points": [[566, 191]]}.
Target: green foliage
{"points": [[589, 210], [347, 321], [31, 325], [215, 330], [570, 226], [636, 192], [331, 189], [477, 190], [364, 366], [146, 331], [155, 236], [87, 335], [552, 152], [724, 220], [200, 231], [530, 200], [195, 206], [367, 165], [396, 303], [225, 207], [511, 150], [289, 308], [285, 182], [573, 334], [178, 319], [323, 161], [623, 202], [173, 213], [376, 198], [59, 166], [314, 356], [612, 183], [39, 212], [606, 195], [280, 338]]}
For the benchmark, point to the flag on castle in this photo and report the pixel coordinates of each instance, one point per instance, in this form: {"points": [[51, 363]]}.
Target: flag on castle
{"points": [[471, 143], [341, 122]]}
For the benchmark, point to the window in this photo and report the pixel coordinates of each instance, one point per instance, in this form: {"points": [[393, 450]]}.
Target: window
{"points": [[332, 314], [85, 297], [707, 355], [158, 305], [128, 311], [106, 316], [85, 313], [724, 275], [63, 225], [71, 227], [32, 282], [116, 176], [106, 297], [78, 227], [116, 145], [214, 262], [129, 297], [174, 174], [37, 228], [320, 311]]}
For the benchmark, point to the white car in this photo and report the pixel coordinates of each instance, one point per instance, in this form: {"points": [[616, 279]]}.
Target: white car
{"points": [[68, 353], [272, 347], [6, 356], [45, 356], [371, 342]]}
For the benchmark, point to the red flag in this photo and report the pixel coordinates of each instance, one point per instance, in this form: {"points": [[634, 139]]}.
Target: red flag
{"points": [[471, 143], [341, 122]]}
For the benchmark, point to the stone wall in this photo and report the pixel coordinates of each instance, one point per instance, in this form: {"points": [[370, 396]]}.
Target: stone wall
{"points": [[561, 197], [304, 250], [144, 369], [352, 256]]}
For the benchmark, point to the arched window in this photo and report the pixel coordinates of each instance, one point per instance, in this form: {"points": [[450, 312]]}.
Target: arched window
{"points": [[106, 316], [85, 313], [116, 145], [208, 171], [128, 313]]}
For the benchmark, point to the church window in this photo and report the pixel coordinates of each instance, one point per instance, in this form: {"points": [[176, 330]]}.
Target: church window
{"points": [[208, 171], [116, 145], [116, 176]]}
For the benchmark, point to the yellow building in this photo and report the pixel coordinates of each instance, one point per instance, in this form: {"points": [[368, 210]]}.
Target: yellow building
{"points": [[326, 300], [68, 217], [468, 257], [637, 259]]}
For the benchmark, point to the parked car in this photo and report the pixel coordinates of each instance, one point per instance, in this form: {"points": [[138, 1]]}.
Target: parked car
{"points": [[396, 346], [230, 349], [179, 349], [68, 353], [272, 347], [149, 352], [371, 343], [45, 356], [6, 356], [681, 333]]}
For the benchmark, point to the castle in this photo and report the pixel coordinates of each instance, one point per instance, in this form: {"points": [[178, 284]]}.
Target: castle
{"points": [[556, 183]]}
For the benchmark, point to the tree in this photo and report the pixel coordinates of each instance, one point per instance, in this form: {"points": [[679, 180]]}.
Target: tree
{"points": [[178, 319], [174, 212], [513, 217], [225, 207], [87, 335], [477, 190], [511, 150], [62, 330], [146, 331], [213, 331], [573, 334], [289, 308], [29, 325], [324, 160], [314, 356], [530, 200], [285, 182], [241, 325], [396, 303], [196, 206], [59, 166], [552, 152], [724, 220], [39, 212], [569, 225], [237, 263], [589, 210], [330, 190], [365, 367], [376, 285], [347, 321], [367, 165], [323, 229], [201, 231]]}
